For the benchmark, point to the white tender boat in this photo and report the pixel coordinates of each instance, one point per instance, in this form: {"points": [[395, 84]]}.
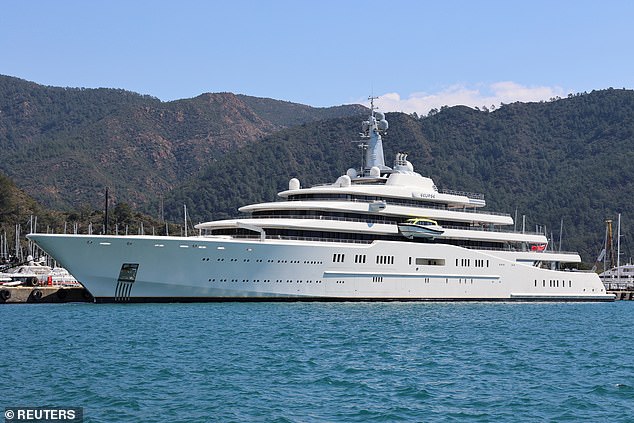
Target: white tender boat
{"points": [[334, 242], [420, 228]]}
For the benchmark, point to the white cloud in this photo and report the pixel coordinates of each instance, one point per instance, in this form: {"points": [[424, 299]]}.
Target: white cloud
{"points": [[478, 96]]}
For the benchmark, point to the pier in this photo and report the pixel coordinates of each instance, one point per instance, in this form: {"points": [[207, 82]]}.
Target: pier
{"points": [[43, 294], [622, 290], [623, 294]]}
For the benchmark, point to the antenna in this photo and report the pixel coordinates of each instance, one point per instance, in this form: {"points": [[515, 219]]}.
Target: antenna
{"points": [[609, 246], [362, 146], [561, 231], [372, 108], [618, 250], [185, 213], [105, 218]]}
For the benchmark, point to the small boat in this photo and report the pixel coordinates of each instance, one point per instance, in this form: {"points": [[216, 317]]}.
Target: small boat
{"points": [[621, 277], [36, 273], [420, 227]]}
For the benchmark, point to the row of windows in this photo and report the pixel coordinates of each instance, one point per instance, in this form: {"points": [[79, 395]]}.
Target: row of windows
{"points": [[362, 238], [481, 263], [359, 258], [467, 262], [232, 260], [360, 217], [369, 198], [263, 280], [323, 215], [377, 279], [554, 283]]}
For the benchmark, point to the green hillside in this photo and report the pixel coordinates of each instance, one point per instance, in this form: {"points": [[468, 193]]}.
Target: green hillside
{"points": [[63, 146]]}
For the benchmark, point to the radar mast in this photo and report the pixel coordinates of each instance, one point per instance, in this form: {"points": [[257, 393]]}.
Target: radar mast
{"points": [[372, 130]]}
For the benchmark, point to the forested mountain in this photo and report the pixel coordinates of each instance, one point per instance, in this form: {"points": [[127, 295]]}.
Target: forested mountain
{"points": [[63, 146], [14, 203], [569, 159], [22, 214], [19, 212]]}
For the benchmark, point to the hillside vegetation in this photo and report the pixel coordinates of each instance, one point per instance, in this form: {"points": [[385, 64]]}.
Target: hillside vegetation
{"points": [[20, 214], [63, 146]]}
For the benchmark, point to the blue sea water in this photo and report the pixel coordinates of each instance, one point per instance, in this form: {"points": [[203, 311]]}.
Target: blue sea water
{"points": [[314, 362]]}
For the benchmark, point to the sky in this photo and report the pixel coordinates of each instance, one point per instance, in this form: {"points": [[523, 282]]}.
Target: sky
{"points": [[415, 55]]}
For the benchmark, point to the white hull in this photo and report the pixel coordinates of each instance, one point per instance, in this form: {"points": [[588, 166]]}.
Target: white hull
{"points": [[212, 269]]}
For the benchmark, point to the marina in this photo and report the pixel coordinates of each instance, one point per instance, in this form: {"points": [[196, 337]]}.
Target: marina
{"points": [[618, 278], [33, 281]]}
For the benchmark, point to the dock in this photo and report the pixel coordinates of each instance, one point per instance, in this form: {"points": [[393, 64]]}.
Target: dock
{"points": [[622, 290], [44, 294], [623, 294]]}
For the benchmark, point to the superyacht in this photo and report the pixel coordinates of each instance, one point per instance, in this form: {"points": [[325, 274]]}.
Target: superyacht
{"points": [[378, 233]]}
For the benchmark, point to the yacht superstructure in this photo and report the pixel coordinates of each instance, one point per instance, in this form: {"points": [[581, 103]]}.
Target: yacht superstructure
{"points": [[347, 240]]}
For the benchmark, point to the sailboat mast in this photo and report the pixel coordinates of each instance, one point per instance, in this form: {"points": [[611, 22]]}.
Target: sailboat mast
{"points": [[609, 244], [618, 250], [105, 218], [185, 213]]}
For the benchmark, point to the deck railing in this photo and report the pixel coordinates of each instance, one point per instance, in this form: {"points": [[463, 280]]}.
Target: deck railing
{"points": [[379, 221], [402, 203]]}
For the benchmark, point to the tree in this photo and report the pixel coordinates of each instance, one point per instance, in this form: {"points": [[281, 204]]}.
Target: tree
{"points": [[123, 213]]}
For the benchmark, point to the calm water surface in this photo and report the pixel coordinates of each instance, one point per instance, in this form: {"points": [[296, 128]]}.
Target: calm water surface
{"points": [[305, 362]]}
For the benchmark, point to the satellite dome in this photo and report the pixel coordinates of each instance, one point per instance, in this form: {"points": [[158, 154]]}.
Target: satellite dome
{"points": [[379, 116], [383, 125], [293, 184], [352, 173], [375, 172], [343, 181]]}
